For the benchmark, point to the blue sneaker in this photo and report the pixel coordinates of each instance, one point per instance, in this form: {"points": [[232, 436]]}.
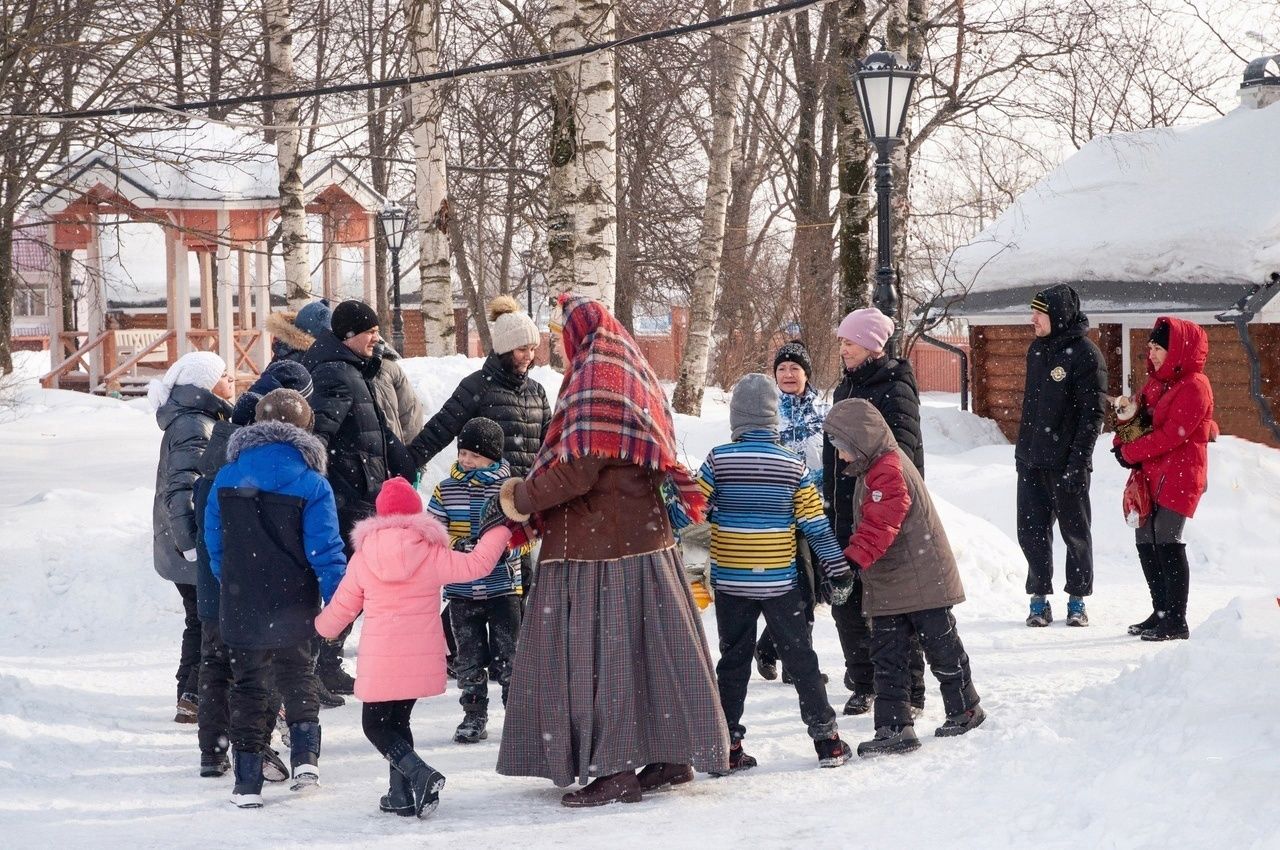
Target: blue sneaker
{"points": [[1076, 615], [1041, 612]]}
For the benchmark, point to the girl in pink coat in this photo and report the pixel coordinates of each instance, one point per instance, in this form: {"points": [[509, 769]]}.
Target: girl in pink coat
{"points": [[402, 559]]}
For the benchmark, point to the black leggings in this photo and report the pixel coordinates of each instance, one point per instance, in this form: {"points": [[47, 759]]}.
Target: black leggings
{"points": [[388, 722]]}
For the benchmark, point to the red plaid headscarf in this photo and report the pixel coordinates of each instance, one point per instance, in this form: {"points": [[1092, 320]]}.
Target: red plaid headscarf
{"points": [[611, 404]]}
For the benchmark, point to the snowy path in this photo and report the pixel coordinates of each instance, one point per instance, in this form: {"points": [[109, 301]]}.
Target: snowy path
{"points": [[1094, 739]]}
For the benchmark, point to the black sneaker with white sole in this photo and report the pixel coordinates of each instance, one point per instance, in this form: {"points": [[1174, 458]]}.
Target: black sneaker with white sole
{"points": [[832, 752], [958, 724], [890, 740]]}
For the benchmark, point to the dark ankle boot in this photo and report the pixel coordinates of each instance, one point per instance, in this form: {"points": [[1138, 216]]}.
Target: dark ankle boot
{"points": [[1176, 577], [399, 797], [661, 776], [425, 781], [247, 793], [304, 753], [1155, 586], [621, 787]]}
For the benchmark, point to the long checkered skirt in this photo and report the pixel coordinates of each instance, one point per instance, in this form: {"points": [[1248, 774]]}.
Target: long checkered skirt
{"points": [[612, 673]]}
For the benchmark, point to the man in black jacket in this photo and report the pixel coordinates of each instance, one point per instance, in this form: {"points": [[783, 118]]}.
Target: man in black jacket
{"points": [[890, 385], [1061, 420], [363, 452]]}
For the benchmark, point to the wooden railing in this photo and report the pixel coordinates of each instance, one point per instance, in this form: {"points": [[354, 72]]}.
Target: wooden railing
{"points": [[138, 357], [200, 340], [77, 357]]}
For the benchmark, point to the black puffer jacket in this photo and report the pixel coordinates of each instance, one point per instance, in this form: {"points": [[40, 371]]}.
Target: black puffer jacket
{"points": [[890, 385], [215, 455], [362, 452], [516, 402], [187, 419], [1066, 378]]}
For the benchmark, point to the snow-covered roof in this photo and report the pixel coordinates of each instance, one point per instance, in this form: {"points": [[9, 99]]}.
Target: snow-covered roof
{"points": [[194, 165], [1180, 219]]}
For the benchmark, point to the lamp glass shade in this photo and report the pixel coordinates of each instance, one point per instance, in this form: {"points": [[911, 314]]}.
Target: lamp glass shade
{"points": [[884, 91], [395, 222]]}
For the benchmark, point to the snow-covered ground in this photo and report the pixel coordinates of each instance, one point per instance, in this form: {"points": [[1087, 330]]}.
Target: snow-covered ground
{"points": [[1095, 739]]}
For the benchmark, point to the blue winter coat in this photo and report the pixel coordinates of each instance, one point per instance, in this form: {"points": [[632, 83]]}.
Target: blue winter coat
{"points": [[271, 527]]}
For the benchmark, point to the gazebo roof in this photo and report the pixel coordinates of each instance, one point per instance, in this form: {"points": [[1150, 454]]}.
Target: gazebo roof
{"points": [[1164, 219], [197, 165]]}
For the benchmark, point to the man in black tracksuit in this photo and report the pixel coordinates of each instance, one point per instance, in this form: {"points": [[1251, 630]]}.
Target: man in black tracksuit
{"points": [[1061, 420]]}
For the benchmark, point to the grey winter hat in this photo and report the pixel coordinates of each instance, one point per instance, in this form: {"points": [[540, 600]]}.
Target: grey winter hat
{"points": [[286, 406], [754, 404]]}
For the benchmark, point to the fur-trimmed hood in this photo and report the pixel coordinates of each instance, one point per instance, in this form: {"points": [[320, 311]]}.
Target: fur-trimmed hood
{"points": [[391, 545], [268, 433], [281, 326]]}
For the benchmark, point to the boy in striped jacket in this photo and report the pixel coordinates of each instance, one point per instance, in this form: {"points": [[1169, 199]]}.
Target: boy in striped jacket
{"points": [[484, 615], [759, 492]]}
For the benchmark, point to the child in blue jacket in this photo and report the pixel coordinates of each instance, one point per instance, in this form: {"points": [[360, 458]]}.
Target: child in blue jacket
{"points": [[271, 528]]}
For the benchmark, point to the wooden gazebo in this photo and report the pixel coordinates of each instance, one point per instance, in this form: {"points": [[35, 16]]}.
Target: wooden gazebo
{"points": [[214, 192]]}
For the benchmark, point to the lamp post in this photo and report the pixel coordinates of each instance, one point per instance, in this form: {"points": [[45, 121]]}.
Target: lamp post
{"points": [[884, 83], [395, 223]]}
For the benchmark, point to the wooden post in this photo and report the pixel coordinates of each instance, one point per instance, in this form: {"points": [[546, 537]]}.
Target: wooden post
{"points": [[1126, 359], [170, 289], [262, 301], [370, 268], [205, 259], [57, 354], [97, 301], [242, 278], [226, 309], [181, 294], [330, 271]]}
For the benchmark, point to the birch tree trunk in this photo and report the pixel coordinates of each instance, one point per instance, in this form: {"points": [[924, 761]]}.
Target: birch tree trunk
{"points": [[583, 180], [692, 379], [293, 214], [426, 105], [856, 266]]}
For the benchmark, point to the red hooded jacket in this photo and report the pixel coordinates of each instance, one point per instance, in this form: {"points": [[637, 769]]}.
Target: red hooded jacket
{"points": [[1174, 457]]}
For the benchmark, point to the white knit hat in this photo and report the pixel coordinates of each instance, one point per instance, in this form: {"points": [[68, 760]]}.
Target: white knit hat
{"points": [[509, 327], [202, 369]]}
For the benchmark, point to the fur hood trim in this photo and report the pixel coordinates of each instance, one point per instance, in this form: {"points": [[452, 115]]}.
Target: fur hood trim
{"points": [[265, 433], [281, 326], [427, 526]]}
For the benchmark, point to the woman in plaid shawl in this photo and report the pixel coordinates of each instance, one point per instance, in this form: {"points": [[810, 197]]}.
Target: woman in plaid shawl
{"points": [[612, 671]]}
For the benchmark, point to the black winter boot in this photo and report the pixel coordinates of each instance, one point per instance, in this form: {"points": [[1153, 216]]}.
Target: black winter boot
{"points": [[247, 793], [958, 724], [738, 760], [329, 669], [425, 781], [1176, 577], [832, 752], [304, 754], [859, 704], [1155, 585], [766, 667], [399, 797], [214, 764], [326, 697], [472, 729], [890, 740], [273, 767]]}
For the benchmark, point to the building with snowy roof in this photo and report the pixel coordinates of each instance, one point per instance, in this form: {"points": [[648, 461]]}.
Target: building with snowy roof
{"points": [[1182, 221]]}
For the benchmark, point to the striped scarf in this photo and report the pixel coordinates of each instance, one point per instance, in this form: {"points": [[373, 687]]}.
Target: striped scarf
{"points": [[611, 404]]}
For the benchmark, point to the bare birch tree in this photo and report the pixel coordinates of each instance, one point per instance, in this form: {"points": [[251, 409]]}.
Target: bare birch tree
{"points": [[289, 158], [430, 179], [583, 179], [732, 60]]}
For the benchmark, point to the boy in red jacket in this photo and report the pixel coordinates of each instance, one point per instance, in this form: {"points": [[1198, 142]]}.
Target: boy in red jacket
{"points": [[909, 579]]}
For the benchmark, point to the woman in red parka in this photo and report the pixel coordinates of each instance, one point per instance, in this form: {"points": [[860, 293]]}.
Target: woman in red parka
{"points": [[1171, 462]]}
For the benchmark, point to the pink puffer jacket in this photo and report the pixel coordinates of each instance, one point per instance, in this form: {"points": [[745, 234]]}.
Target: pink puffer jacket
{"points": [[400, 563]]}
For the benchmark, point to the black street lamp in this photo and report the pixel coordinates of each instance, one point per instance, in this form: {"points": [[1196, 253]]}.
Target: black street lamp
{"points": [[395, 225], [884, 82]]}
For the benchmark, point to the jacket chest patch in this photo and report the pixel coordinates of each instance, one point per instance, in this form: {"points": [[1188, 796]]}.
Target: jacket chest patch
{"points": [[876, 495], [1058, 374]]}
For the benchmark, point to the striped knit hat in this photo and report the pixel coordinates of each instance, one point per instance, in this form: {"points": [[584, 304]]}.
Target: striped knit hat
{"points": [[1039, 303]]}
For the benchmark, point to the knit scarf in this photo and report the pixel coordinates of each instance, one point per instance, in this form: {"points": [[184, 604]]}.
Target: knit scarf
{"points": [[485, 475], [611, 404]]}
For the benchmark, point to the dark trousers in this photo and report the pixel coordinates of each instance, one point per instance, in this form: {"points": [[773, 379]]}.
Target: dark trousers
{"points": [[385, 723], [188, 675], [1042, 499], [253, 703], [215, 688], [890, 650], [766, 650], [854, 630], [485, 631], [785, 616]]}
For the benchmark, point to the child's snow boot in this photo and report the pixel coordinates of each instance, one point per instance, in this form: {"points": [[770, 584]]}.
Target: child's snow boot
{"points": [[304, 754], [859, 704], [890, 740], [1076, 615], [399, 797], [425, 781], [1041, 612], [187, 709], [247, 793], [766, 667], [472, 729], [738, 760], [326, 697], [214, 764], [958, 724], [832, 752]]}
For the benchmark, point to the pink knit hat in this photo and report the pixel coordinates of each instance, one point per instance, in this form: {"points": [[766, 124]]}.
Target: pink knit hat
{"points": [[868, 328]]}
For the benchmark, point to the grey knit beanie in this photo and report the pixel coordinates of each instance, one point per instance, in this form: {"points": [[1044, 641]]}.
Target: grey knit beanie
{"points": [[754, 404]]}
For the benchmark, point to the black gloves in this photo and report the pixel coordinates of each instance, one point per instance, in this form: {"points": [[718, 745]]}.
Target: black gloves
{"points": [[1074, 479], [491, 516], [1116, 450], [841, 588]]}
